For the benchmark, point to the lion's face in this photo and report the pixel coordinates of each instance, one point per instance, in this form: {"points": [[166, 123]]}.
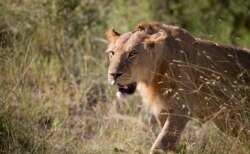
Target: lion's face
{"points": [[131, 57]]}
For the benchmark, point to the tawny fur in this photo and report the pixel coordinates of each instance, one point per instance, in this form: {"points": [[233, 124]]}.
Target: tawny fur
{"points": [[180, 77]]}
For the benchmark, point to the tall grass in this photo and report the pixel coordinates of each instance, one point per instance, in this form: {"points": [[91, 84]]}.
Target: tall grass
{"points": [[54, 97]]}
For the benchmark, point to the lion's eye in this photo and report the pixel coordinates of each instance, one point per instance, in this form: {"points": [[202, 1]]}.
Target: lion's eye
{"points": [[132, 54]]}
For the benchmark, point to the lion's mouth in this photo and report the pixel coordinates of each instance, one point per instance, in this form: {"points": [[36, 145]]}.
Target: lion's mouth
{"points": [[128, 89]]}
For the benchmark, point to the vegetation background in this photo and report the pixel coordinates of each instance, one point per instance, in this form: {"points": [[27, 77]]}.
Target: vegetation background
{"points": [[54, 95]]}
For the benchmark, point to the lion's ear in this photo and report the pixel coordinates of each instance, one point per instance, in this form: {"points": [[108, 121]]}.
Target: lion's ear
{"points": [[156, 38], [140, 27], [112, 35]]}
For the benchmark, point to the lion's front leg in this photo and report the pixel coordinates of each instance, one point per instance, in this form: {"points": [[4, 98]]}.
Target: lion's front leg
{"points": [[161, 117], [170, 133]]}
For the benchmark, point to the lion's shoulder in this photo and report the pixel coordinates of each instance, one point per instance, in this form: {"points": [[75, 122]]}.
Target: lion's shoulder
{"points": [[241, 54]]}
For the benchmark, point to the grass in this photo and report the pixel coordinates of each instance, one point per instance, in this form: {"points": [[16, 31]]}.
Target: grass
{"points": [[54, 95]]}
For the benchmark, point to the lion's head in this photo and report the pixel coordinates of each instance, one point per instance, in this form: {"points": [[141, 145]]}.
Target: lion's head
{"points": [[132, 58]]}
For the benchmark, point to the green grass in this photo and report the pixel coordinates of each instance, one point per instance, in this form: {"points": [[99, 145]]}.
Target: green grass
{"points": [[54, 95]]}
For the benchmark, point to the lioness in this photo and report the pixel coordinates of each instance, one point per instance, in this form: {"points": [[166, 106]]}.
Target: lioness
{"points": [[180, 77]]}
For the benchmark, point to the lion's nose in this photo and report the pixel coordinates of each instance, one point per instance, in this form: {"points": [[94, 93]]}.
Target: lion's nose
{"points": [[115, 75]]}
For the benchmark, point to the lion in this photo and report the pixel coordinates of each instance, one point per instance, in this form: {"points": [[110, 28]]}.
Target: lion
{"points": [[181, 77]]}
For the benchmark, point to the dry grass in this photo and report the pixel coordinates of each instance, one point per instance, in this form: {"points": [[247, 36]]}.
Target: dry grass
{"points": [[54, 97]]}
